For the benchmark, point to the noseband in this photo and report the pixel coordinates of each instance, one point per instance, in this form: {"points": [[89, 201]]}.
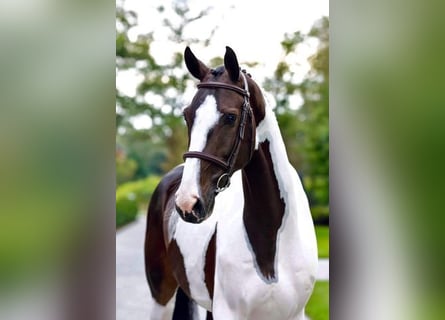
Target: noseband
{"points": [[246, 111]]}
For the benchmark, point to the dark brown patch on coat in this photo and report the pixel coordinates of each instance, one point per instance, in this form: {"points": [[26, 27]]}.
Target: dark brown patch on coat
{"points": [[209, 268], [158, 270], [177, 262], [263, 209]]}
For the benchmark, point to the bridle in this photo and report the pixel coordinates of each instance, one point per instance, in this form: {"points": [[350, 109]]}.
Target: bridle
{"points": [[246, 111]]}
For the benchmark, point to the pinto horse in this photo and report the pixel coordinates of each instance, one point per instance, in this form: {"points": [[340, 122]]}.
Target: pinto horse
{"points": [[229, 232]]}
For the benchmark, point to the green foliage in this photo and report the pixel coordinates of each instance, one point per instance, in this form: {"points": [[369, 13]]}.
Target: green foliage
{"points": [[126, 210], [138, 191], [158, 93], [133, 197], [145, 153], [125, 169], [318, 305], [291, 41], [322, 233]]}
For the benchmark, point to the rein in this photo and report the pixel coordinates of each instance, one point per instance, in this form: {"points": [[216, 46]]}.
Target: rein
{"points": [[246, 111]]}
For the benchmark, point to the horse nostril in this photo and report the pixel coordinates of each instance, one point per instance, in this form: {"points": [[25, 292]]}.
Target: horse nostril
{"points": [[186, 203], [196, 205], [195, 214], [198, 208]]}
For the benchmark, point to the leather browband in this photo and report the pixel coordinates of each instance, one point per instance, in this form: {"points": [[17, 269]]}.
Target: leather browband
{"points": [[213, 85]]}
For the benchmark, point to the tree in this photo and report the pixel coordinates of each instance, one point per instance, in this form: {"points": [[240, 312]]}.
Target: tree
{"points": [[306, 129], [158, 94]]}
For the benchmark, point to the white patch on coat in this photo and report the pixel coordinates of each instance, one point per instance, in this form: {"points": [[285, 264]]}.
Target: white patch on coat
{"points": [[199, 313], [193, 241], [206, 117], [161, 312]]}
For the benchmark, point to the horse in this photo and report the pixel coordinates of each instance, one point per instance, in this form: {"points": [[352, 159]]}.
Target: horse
{"points": [[229, 232]]}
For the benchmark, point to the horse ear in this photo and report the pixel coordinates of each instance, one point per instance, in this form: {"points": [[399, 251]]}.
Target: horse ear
{"points": [[231, 64], [195, 66]]}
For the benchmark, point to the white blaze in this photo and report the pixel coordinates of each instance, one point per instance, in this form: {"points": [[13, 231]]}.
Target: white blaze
{"points": [[206, 117]]}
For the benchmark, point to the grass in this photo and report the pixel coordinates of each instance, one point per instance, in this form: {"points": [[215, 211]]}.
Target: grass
{"points": [[322, 233], [318, 305]]}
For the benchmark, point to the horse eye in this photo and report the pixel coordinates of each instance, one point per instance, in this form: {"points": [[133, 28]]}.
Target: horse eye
{"points": [[229, 118]]}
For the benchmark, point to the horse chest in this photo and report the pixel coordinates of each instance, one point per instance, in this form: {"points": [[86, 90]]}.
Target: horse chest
{"points": [[193, 242], [237, 282]]}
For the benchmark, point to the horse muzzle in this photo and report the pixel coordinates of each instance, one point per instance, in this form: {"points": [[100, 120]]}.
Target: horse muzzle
{"points": [[192, 214]]}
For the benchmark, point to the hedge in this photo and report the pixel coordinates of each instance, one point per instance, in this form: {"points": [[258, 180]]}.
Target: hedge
{"points": [[133, 197]]}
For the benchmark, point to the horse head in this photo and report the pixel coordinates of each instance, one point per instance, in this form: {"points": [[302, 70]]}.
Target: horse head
{"points": [[221, 122]]}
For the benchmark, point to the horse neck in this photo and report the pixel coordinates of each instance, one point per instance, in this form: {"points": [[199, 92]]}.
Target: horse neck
{"points": [[267, 181], [270, 146]]}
